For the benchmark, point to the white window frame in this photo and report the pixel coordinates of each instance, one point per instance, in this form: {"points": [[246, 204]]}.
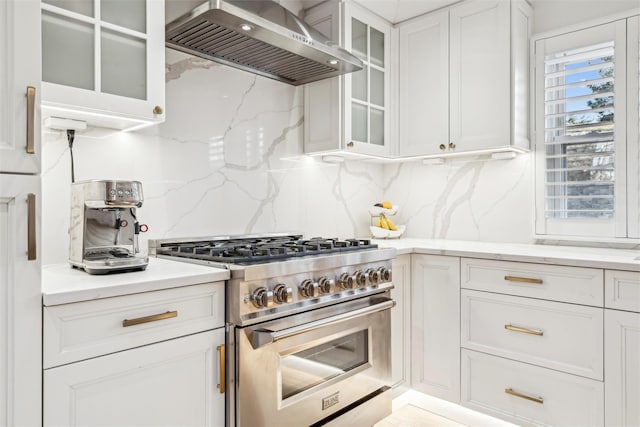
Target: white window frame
{"points": [[621, 227]]}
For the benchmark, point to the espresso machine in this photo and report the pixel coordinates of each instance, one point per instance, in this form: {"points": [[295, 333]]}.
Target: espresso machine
{"points": [[105, 228]]}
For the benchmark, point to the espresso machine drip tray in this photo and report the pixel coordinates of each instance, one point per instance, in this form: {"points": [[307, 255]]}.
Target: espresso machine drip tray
{"points": [[106, 254], [112, 259]]}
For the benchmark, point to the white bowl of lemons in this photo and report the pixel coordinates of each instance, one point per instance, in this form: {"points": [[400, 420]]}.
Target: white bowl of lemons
{"points": [[383, 233], [385, 228]]}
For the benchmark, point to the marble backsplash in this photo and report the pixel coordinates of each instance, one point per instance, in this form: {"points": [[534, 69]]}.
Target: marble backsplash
{"points": [[228, 161], [470, 199]]}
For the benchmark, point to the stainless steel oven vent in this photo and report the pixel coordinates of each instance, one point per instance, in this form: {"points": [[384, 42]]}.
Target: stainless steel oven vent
{"points": [[261, 37]]}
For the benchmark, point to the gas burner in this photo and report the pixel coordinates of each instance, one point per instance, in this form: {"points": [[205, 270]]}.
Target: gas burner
{"points": [[261, 249]]}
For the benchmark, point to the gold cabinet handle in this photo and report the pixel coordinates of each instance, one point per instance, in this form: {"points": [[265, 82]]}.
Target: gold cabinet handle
{"points": [[523, 280], [147, 319], [222, 376], [524, 330], [512, 392], [31, 119], [31, 227], [452, 145], [443, 147]]}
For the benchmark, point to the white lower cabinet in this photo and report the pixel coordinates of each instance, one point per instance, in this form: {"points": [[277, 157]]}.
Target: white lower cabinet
{"points": [[435, 325], [401, 321], [622, 368], [146, 359], [565, 337], [534, 344], [532, 353], [20, 296], [527, 394], [169, 383]]}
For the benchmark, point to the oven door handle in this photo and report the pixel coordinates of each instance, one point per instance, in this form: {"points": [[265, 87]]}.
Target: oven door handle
{"points": [[262, 337]]}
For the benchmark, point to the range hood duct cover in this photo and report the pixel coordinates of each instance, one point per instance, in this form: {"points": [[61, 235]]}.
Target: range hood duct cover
{"points": [[261, 37]]}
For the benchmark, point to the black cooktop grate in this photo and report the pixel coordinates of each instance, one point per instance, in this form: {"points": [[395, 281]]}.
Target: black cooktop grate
{"points": [[262, 250]]}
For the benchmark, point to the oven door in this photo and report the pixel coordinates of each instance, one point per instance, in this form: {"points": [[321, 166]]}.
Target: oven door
{"points": [[301, 369]]}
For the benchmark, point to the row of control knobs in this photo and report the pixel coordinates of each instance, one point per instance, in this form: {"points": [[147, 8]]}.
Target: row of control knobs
{"points": [[281, 294]]}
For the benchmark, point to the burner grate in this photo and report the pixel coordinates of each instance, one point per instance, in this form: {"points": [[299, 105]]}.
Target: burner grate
{"points": [[262, 250]]}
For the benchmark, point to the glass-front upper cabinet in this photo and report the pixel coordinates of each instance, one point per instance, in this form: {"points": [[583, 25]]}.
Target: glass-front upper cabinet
{"points": [[369, 88], [103, 61], [351, 113]]}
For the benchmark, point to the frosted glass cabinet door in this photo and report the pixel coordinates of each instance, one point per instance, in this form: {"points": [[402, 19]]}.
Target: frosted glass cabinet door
{"points": [[118, 49], [367, 119], [105, 57], [67, 51], [131, 14]]}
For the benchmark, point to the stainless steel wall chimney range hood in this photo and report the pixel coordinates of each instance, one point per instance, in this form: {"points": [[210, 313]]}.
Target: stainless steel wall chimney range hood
{"points": [[261, 37]]}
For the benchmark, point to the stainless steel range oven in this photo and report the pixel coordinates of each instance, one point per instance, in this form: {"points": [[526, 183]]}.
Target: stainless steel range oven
{"points": [[308, 325]]}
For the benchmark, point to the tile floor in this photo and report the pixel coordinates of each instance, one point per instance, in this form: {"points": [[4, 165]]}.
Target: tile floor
{"points": [[414, 409]]}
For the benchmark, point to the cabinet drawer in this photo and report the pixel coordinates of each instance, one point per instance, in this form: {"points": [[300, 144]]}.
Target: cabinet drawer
{"points": [[87, 329], [552, 282], [555, 335], [622, 290], [502, 388]]}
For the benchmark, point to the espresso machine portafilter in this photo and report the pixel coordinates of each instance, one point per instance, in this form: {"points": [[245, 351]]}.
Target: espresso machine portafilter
{"points": [[105, 228]]}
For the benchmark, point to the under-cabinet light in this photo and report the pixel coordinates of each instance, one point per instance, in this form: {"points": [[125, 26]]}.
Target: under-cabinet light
{"points": [[433, 161], [503, 155], [59, 123]]}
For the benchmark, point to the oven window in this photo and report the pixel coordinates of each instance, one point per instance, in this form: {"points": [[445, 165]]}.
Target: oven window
{"points": [[310, 367]]}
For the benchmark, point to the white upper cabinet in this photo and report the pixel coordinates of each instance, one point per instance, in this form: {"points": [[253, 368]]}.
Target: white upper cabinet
{"points": [[424, 88], [464, 79], [19, 87], [352, 112], [103, 61]]}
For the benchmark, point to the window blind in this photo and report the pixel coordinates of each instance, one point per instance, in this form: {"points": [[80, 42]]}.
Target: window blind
{"points": [[579, 132]]}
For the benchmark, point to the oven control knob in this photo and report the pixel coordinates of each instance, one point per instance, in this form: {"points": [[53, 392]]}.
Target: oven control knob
{"points": [[360, 279], [309, 289], [373, 276], [326, 285], [262, 298], [282, 294], [346, 281], [385, 274]]}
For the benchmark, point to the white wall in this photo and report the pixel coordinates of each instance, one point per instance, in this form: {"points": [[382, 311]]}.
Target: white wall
{"points": [[554, 14]]}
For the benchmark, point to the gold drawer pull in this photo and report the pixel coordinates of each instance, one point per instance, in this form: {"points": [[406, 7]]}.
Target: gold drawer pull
{"points": [[222, 377], [523, 330], [31, 227], [31, 119], [523, 280], [147, 319], [524, 396]]}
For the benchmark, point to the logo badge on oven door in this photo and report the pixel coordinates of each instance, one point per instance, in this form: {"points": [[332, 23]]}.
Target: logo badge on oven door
{"points": [[329, 401]]}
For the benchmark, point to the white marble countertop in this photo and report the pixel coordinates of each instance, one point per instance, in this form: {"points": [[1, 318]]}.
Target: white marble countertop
{"points": [[62, 284], [619, 259]]}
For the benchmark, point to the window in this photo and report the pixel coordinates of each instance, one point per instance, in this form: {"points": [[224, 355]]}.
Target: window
{"points": [[582, 108]]}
